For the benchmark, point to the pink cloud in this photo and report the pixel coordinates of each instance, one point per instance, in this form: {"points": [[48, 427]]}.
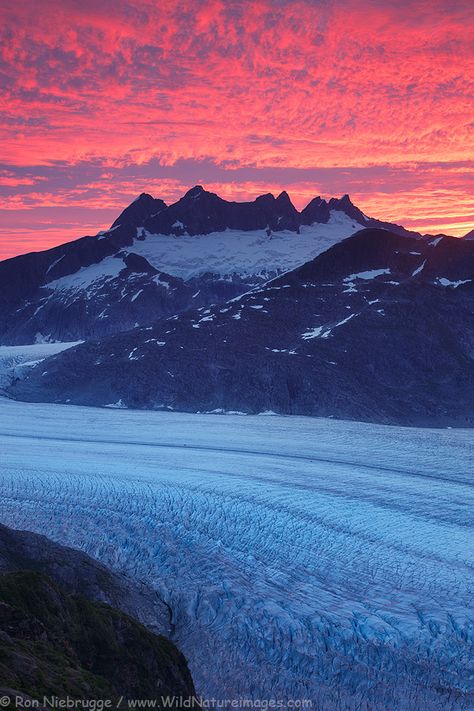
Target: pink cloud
{"points": [[259, 83]]}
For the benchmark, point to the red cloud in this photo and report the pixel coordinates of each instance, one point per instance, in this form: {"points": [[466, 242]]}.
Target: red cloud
{"points": [[258, 83]]}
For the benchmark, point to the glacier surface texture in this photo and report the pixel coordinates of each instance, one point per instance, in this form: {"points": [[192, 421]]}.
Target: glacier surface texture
{"points": [[303, 558]]}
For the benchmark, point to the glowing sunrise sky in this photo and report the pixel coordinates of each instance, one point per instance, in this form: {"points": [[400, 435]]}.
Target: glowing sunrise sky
{"points": [[104, 99]]}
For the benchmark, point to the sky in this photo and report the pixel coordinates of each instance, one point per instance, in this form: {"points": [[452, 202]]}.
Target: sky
{"points": [[105, 99]]}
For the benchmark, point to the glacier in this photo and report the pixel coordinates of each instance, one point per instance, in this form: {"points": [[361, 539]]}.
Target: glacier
{"points": [[303, 558]]}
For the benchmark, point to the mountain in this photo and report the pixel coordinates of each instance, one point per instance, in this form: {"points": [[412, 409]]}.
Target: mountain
{"points": [[379, 327], [157, 260], [469, 235]]}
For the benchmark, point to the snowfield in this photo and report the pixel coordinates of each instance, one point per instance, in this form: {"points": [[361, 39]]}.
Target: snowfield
{"points": [[303, 558], [234, 252]]}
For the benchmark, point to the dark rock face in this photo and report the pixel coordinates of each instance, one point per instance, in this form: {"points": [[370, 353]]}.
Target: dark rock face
{"points": [[201, 212], [315, 211], [77, 573], [378, 328], [139, 211], [53, 643]]}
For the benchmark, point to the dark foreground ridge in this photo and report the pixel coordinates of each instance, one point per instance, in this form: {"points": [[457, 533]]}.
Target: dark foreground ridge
{"points": [[380, 327], [56, 642], [77, 573]]}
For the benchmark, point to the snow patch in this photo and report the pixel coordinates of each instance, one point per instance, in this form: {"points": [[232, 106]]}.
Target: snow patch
{"points": [[313, 333], [162, 282], [419, 269], [367, 275], [325, 331], [454, 284], [90, 278], [56, 261]]}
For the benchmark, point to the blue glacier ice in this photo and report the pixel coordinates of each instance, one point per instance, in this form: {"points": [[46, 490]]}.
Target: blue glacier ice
{"points": [[303, 558]]}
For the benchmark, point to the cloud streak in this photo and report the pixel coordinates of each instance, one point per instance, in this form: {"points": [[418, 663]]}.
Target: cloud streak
{"points": [[244, 87]]}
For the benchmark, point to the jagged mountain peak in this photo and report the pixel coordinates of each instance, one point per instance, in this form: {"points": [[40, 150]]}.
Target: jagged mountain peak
{"points": [[200, 211], [317, 210], [195, 192], [284, 197], [264, 199], [345, 204], [139, 210], [345, 200], [284, 201]]}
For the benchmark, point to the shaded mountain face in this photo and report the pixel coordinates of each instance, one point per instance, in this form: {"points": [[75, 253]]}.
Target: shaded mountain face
{"points": [[380, 327], [201, 212], [56, 644], [157, 260], [144, 207]]}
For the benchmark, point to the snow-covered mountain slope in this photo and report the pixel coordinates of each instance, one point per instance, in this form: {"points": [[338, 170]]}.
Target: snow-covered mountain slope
{"points": [[303, 558], [120, 291], [158, 260], [379, 327]]}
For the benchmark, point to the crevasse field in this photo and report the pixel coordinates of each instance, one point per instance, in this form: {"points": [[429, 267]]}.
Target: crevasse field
{"points": [[303, 558]]}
